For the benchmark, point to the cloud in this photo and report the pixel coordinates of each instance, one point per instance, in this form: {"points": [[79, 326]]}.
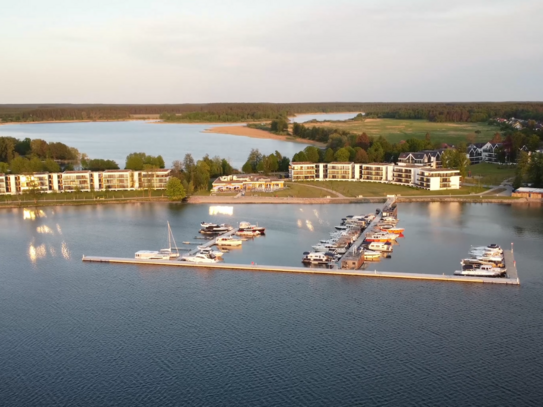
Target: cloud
{"points": [[330, 51]]}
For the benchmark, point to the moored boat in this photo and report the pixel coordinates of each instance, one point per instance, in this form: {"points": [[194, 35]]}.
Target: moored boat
{"points": [[246, 226], [380, 247], [200, 258], [372, 255], [228, 241], [485, 270], [151, 255], [317, 258], [248, 233], [381, 237]]}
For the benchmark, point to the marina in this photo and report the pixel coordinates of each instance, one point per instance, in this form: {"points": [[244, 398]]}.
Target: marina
{"points": [[353, 240]]}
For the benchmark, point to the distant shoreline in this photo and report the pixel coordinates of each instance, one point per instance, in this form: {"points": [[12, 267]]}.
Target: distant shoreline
{"points": [[198, 200], [257, 133]]}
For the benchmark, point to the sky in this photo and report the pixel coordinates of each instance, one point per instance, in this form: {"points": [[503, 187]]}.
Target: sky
{"points": [[166, 51]]}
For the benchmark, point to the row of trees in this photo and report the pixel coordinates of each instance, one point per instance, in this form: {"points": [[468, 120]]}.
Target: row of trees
{"points": [[10, 148], [196, 175], [529, 170], [258, 162], [22, 165], [230, 112]]}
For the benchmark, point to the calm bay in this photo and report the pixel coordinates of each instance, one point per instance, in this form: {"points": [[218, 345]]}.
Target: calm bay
{"points": [[102, 334]]}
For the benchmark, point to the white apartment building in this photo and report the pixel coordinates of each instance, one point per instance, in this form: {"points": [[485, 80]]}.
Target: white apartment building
{"points": [[403, 174], [84, 181]]}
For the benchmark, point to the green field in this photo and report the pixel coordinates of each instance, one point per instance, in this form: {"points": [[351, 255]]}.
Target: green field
{"points": [[295, 190], [489, 174], [396, 130], [372, 189]]}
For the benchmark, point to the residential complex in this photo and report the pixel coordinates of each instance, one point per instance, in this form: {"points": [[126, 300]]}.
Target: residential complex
{"points": [[420, 176], [71, 181], [249, 182]]}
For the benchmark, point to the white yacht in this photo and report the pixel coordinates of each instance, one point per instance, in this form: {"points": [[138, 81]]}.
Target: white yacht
{"points": [[485, 270], [210, 251], [317, 258], [372, 255], [228, 241], [152, 255], [200, 258], [380, 246]]}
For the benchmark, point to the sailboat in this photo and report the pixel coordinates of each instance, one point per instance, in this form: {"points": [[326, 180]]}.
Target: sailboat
{"points": [[171, 251]]}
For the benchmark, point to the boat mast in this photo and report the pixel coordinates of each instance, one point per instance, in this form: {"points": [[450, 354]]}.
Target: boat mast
{"points": [[170, 238]]}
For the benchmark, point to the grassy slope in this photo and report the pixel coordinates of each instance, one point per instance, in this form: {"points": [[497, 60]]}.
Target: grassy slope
{"points": [[67, 196], [370, 189], [490, 174], [296, 190], [396, 130]]}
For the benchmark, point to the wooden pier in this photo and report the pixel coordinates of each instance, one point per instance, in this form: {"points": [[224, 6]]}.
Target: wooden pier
{"points": [[302, 270]]}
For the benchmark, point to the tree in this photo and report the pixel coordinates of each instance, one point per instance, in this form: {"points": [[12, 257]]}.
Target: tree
{"points": [[175, 190], [20, 165], [7, 149], [273, 164], [254, 158], [533, 143], [201, 176], [35, 165], [352, 153], [189, 165], [4, 167], [361, 156], [312, 154], [300, 157], [284, 164], [329, 155], [39, 148], [247, 168], [226, 167], [376, 153], [497, 138], [134, 161], [455, 159], [279, 125], [342, 155], [535, 170], [51, 166], [363, 141]]}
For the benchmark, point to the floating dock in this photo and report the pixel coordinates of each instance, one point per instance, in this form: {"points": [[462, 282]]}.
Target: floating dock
{"points": [[302, 270]]}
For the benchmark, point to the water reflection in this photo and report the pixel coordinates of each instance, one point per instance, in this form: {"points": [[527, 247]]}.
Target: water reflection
{"points": [[309, 225], [44, 230], [221, 210], [33, 214]]}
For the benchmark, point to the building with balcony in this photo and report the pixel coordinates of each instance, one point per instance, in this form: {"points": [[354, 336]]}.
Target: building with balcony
{"points": [[405, 174], [77, 181], [304, 171], [436, 179], [377, 172], [340, 171], [72, 181]]}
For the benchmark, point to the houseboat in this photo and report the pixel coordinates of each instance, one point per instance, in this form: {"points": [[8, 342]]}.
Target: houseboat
{"points": [[380, 247]]}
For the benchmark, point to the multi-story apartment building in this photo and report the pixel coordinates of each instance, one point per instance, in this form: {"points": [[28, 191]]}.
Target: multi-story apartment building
{"points": [[404, 174], [71, 181], [250, 182], [376, 172], [77, 181], [436, 179]]}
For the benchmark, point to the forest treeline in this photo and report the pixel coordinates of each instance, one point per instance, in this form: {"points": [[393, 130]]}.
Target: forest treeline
{"points": [[242, 112]]}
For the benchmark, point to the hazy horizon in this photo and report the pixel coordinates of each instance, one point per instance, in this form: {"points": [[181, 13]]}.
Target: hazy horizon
{"points": [[297, 51]]}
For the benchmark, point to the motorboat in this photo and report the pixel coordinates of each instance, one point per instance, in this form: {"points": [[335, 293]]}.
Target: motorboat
{"points": [[372, 255], [491, 247], [317, 258], [200, 258], [485, 270], [324, 247], [396, 230], [380, 247], [246, 226], [389, 220], [248, 233], [209, 250], [381, 237], [341, 227], [152, 255], [228, 241], [479, 253], [212, 229]]}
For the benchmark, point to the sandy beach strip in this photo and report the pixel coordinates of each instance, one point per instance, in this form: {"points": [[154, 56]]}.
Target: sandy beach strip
{"points": [[256, 133]]}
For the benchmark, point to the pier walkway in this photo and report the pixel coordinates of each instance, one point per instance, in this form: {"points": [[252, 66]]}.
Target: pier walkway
{"points": [[303, 270], [354, 247]]}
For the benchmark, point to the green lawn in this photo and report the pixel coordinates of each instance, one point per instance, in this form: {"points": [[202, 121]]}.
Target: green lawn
{"points": [[396, 130], [371, 189], [295, 190], [489, 174]]}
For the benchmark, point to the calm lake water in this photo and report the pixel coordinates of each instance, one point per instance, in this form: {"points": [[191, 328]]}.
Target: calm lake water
{"points": [[98, 334], [115, 140], [322, 117]]}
